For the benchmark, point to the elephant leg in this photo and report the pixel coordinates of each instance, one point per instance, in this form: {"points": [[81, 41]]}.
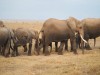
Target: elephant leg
{"points": [[7, 48], [61, 48], [3, 50], [74, 47], [50, 47], [30, 48], [56, 46], [25, 48], [0, 50], [37, 47], [16, 49], [43, 49], [77, 45], [66, 45], [9, 51], [46, 50], [82, 46], [73, 41]]}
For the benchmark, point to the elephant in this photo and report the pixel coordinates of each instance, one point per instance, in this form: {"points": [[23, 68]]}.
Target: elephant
{"points": [[58, 30], [5, 40], [2, 24], [90, 29], [22, 37]]}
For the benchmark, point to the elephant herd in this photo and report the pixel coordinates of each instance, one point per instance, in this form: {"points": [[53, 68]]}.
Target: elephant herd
{"points": [[53, 30]]}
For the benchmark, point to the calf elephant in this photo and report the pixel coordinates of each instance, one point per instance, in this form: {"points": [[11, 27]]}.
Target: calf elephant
{"points": [[59, 30], [23, 36], [90, 29]]}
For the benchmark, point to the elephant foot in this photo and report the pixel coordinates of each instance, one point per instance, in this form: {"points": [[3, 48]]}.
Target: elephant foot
{"points": [[56, 50], [66, 50], [88, 48], [29, 54], [17, 54], [36, 53], [7, 55], [13, 56], [71, 50], [25, 50], [60, 53], [75, 52], [47, 53]]}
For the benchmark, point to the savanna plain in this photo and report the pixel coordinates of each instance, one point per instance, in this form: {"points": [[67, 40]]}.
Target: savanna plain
{"points": [[54, 64]]}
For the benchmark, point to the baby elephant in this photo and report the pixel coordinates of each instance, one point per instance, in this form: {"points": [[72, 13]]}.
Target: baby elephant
{"points": [[22, 37]]}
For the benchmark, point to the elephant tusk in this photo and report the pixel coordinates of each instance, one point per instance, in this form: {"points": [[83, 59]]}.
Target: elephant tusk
{"points": [[76, 33], [83, 39], [40, 35]]}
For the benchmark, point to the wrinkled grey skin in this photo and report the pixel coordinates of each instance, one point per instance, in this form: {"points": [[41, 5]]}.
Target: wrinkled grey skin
{"points": [[90, 29], [58, 30], [22, 37], [5, 40]]}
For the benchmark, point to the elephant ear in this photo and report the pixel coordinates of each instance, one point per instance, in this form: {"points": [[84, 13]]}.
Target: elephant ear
{"points": [[13, 36], [71, 22], [12, 31]]}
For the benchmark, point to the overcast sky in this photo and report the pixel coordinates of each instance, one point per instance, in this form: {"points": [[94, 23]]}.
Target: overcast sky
{"points": [[44, 9]]}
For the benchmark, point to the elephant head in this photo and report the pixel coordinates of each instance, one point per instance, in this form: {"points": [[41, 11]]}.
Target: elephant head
{"points": [[77, 26]]}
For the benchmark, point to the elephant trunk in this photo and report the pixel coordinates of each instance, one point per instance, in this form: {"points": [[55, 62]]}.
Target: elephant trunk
{"points": [[82, 41]]}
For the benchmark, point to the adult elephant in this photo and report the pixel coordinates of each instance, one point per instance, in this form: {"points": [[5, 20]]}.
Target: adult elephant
{"points": [[90, 29], [59, 30], [5, 40], [23, 36]]}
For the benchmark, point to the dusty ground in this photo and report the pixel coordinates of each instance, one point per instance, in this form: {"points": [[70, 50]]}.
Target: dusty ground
{"points": [[66, 64]]}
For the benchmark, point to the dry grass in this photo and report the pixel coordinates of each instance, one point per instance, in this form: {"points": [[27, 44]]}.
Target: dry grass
{"points": [[66, 64]]}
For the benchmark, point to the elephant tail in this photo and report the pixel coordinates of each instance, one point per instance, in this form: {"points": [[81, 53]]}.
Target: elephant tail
{"points": [[94, 41]]}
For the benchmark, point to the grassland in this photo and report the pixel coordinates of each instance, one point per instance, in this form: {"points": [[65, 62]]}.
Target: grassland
{"points": [[66, 64]]}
